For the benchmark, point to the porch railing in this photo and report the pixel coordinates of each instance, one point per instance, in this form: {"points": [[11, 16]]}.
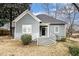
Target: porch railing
{"points": [[46, 40]]}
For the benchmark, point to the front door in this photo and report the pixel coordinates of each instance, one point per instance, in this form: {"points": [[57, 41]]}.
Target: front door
{"points": [[43, 30]]}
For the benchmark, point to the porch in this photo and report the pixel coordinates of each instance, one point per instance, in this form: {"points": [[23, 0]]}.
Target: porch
{"points": [[45, 38]]}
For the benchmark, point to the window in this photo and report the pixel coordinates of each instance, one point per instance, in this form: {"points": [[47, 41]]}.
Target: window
{"points": [[56, 29], [26, 29]]}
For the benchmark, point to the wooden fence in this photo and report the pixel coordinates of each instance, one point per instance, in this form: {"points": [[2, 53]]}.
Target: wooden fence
{"points": [[4, 32]]}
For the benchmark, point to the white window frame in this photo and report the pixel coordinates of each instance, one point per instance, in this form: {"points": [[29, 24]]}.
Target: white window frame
{"points": [[27, 27], [55, 29]]}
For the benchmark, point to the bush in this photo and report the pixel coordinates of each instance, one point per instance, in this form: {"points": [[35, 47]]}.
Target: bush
{"points": [[26, 39], [63, 39], [74, 51]]}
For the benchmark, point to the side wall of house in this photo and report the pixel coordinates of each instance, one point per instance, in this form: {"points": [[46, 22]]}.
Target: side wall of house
{"points": [[27, 20], [61, 33]]}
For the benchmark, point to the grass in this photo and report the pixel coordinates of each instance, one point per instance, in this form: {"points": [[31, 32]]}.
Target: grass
{"points": [[10, 47], [73, 47], [15, 47]]}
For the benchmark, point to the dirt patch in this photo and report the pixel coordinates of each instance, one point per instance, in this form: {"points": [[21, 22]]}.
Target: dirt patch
{"points": [[9, 47], [75, 35]]}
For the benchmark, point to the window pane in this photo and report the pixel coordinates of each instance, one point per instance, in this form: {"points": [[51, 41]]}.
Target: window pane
{"points": [[26, 29], [56, 29]]}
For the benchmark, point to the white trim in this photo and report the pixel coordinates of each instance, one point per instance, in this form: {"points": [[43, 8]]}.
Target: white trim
{"points": [[20, 16], [15, 31], [26, 27], [23, 14], [65, 29], [48, 30], [37, 19], [55, 29], [43, 24]]}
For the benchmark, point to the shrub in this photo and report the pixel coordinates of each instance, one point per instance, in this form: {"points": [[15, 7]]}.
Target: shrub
{"points": [[26, 39], [74, 51], [63, 39]]}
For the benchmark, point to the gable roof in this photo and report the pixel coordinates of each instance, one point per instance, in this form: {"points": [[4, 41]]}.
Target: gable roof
{"points": [[48, 19], [23, 14], [40, 18]]}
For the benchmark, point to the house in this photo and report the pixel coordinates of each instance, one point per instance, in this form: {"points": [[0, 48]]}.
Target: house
{"points": [[38, 26], [6, 26]]}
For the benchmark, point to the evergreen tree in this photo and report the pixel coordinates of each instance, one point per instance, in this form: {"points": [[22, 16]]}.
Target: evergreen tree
{"points": [[9, 11]]}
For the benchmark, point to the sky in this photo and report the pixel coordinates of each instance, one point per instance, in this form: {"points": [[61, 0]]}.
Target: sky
{"points": [[39, 8]]}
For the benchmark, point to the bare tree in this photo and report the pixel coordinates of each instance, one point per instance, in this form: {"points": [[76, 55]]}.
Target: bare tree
{"points": [[69, 14], [46, 8], [76, 5], [50, 9]]}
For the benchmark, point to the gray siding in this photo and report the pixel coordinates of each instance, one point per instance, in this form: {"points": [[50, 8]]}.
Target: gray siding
{"points": [[27, 20], [61, 33]]}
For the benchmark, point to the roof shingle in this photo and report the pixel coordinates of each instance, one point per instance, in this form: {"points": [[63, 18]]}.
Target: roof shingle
{"points": [[48, 19]]}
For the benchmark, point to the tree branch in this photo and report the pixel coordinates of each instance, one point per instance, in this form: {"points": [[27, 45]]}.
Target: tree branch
{"points": [[76, 6]]}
